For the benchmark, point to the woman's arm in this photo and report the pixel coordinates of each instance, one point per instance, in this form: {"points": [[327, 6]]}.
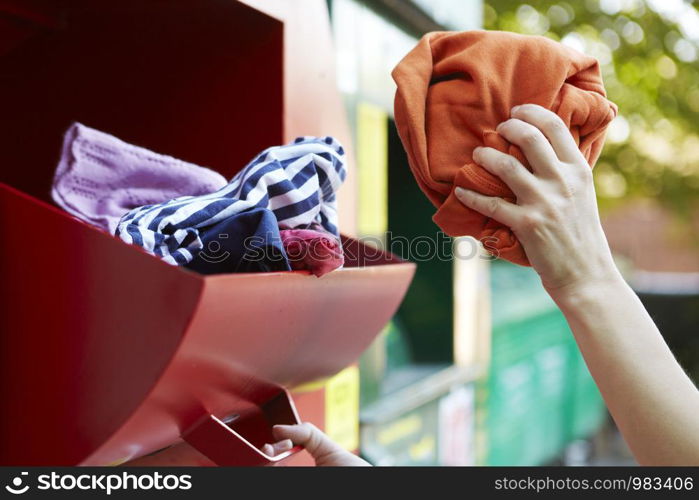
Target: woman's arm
{"points": [[324, 451], [654, 403]]}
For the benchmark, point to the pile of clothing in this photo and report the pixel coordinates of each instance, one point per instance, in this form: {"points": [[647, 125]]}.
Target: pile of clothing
{"points": [[279, 213]]}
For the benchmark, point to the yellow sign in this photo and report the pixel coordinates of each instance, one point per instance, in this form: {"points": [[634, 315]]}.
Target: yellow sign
{"points": [[400, 429], [342, 408], [372, 169]]}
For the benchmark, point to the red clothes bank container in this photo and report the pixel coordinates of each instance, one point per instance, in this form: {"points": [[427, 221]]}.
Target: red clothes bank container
{"points": [[107, 353]]}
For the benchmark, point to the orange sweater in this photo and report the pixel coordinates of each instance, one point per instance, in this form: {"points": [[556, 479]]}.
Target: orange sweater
{"points": [[455, 88]]}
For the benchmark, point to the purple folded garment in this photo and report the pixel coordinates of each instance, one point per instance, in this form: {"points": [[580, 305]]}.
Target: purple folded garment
{"points": [[100, 177], [317, 251]]}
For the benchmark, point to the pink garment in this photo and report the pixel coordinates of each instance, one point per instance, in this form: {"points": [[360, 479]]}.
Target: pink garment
{"points": [[317, 251], [99, 177]]}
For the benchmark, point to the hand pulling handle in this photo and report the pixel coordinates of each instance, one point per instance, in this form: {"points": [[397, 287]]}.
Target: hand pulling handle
{"points": [[224, 446]]}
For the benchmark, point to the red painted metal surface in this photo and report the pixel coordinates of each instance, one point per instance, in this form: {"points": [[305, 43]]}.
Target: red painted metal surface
{"points": [[125, 353], [228, 441], [310, 406], [198, 80], [106, 353]]}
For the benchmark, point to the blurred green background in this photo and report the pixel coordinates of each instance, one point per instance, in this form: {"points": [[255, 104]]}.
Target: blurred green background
{"points": [[527, 398], [648, 54]]}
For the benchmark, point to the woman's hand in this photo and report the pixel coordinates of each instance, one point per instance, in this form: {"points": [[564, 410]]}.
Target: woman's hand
{"points": [[556, 217], [652, 400], [324, 451]]}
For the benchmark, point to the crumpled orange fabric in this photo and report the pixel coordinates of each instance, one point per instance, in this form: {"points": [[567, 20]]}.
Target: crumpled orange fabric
{"points": [[454, 88]]}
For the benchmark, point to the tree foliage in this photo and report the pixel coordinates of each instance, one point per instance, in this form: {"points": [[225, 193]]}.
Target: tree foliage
{"points": [[648, 51]]}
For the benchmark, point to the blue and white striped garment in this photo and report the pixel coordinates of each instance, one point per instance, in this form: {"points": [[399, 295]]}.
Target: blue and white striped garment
{"points": [[297, 182]]}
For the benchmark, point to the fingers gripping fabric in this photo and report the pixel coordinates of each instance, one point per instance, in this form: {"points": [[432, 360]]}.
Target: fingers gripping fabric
{"points": [[453, 91]]}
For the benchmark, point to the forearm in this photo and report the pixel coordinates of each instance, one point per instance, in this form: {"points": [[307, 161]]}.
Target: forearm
{"points": [[654, 403], [556, 220]]}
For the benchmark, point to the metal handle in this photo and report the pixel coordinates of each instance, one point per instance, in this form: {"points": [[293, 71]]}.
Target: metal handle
{"points": [[237, 441]]}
